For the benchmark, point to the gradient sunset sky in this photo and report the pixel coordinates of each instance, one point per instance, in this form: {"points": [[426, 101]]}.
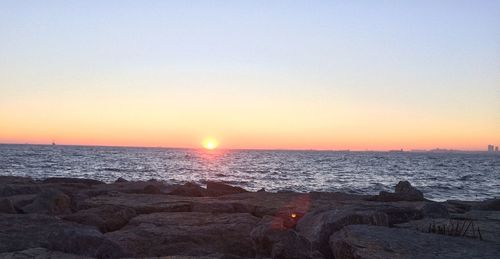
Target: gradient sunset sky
{"points": [[359, 75]]}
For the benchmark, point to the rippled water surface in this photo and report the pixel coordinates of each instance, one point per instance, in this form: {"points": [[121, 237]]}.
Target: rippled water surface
{"points": [[441, 176]]}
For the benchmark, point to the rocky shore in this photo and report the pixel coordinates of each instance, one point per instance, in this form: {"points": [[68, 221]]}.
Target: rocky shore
{"points": [[84, 218]]}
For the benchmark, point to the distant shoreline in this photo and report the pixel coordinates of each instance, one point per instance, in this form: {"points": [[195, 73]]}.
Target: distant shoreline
{"points": [[438, 150]]}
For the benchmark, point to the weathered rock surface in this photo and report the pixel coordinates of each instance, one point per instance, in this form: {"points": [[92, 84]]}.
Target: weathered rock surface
{"points": [[72, 180], [317, 227], [182, 233], [363, 241], [491, 204], [219, 189], [18, 189], [50, 201], [189, 189], [6, 206], [273, 239], [435, 210], [106, 218], [153, 218], [40, 253], [20, 232], [404, 192]]}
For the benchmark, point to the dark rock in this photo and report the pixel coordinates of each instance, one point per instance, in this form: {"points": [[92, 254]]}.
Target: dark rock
{"points": [[456, 206], [72, 180], [262, 190], [318, 226], [400, 214], [363, 242], [7, 179], [6, 206], [49, 201], [189, 234], [435, 210], [491, 204], [19, 201], [141, 203], [24, 231], [40, 253], [18, 189], [404, 192], [121, 180], [105, 218], [189, 189], [151, 189], [219, 189], [272, 239]]}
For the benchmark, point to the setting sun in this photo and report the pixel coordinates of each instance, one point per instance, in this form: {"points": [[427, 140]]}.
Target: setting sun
{"points": [[210, 143]]}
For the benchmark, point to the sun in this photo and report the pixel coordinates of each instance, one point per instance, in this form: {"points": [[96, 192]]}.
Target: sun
{"points": [[210, 143]]}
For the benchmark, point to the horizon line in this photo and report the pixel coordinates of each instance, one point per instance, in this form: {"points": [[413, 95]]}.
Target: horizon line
{"points": [[260, 149]]}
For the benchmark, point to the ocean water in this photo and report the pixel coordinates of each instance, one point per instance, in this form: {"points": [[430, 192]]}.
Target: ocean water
{"points": [[441, 176]]}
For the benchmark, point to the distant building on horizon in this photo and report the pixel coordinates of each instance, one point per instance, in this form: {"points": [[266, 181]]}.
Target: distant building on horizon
{"points": [[496, 149], [491, 148]]}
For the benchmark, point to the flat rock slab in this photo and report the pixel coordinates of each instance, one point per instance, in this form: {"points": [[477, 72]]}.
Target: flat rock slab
{"points": [[363, 241], [40, 253], [24, 231], [188, 234], [488, 223]]}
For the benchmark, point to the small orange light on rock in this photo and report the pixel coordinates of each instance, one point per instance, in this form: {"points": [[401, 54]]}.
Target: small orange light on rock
{"points": [[293, 215]]}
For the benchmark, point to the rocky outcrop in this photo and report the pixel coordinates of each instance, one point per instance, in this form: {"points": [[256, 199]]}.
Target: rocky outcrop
{"points": [[219, 189], [153, 218], [189, 190], [317, 227], [106, 218], [40, 253], [364, 242], [273, 239], [20, 232], [193, 234], [491, 204], [404, 192], [50, 201], [6, 206], [72, 180]]}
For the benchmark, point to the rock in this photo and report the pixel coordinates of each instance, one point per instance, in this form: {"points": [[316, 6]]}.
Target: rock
{"points": [[363, 241], [189, 189], [24, 231], [133, 187], [6, 206], [141, 203], [19, 201], [40, 253], [72, 180], [272, 239], [404, 192], [491, 204], [219, 189], [49, 201], [435, 210], [262, 190], [151, 189], [318, 226], [105, 218], [456, 206], [188, 234], [18, 189], [121, 180], [7, 179]]}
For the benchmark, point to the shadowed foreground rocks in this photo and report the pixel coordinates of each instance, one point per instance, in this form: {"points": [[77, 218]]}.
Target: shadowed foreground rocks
{"points": [[85, 218]]}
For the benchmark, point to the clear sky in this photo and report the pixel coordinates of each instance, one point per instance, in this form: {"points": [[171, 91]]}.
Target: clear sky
{"points": [[252, 74]]}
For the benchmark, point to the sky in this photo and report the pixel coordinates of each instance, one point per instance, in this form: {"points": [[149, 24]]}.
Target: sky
{"points": [[359, 75]]}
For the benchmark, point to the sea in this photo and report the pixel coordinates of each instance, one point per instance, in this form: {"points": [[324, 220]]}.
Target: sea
{"points": [[439, 175]]}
